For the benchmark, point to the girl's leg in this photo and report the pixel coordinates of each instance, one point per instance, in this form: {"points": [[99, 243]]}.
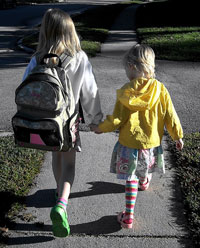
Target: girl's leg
{"points": [[131, 190], [67, 173], [145, 182], [57, 167], [147, 159], [63, 164]]}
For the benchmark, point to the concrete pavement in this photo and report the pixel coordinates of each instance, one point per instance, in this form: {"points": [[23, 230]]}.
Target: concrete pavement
{"points": [[97, 195]]}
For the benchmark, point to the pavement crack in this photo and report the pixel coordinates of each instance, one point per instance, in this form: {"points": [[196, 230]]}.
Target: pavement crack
{"points": [[132, 236], [147, 236]]}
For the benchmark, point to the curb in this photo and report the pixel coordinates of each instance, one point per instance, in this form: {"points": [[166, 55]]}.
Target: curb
{"points": [[4, 133], [24, 48]]}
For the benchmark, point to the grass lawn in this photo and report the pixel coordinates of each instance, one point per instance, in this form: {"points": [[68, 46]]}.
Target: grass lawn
{"points": [[18, 168]]}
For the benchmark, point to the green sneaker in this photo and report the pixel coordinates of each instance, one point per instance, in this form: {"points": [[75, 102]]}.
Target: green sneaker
{"points": [[60, 223]]}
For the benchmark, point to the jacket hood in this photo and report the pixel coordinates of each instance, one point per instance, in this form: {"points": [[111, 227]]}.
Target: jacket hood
{"points": [[140, 94]]}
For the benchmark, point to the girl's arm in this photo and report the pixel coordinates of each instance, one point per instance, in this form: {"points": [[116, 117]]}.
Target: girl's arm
{"points": [[89, 94], [95, 128], [117, 119]]}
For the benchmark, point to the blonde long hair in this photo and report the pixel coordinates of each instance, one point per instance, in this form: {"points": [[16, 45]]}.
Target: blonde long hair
{"points": [[141, 59], [57, 34]]}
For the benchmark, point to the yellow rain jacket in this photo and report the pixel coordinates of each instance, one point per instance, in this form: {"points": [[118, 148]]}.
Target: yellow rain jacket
{"points": [[143, 107]]}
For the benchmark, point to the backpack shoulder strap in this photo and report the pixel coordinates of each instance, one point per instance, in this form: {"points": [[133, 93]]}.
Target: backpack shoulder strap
{"points": [[65, 60]]}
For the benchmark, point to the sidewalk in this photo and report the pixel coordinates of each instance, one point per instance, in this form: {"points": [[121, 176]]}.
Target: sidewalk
{"points": [[97, 195]]}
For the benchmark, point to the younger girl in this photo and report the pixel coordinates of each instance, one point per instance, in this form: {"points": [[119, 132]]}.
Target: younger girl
{"points": [[58, 36], [143, 107]]}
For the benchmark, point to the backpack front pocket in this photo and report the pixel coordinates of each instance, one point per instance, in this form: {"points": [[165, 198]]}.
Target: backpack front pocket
{"points": [[41, 134]]}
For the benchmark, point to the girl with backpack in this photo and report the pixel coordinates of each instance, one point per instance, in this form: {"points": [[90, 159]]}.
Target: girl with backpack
{"points": [[58, 36], [143, 108]]}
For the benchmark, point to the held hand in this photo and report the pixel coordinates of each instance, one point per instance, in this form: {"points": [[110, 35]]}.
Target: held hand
{"points": [[95, 128], [179, 144]]}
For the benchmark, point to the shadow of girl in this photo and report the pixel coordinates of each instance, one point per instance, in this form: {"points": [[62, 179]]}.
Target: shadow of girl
{"points": [[99, 188], [46, 198], [105, 225]]}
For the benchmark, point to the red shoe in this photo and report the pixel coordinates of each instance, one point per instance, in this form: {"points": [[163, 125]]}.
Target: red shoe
{"points": [[145, 186], [121, 218]]}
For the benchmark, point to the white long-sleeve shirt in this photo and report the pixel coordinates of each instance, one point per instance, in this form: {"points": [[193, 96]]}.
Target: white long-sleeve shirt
{"points": [[83, 85]]}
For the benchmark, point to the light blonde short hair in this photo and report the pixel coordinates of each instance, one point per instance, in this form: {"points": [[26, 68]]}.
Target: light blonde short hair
{"points": [[141, 58], [57, 34]]}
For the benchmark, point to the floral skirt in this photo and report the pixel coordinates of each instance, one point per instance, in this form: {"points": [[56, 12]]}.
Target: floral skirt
{"points": [[129, 163]]}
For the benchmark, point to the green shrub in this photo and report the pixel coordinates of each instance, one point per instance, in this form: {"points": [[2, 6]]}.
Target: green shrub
{"points": [[188, 174]]}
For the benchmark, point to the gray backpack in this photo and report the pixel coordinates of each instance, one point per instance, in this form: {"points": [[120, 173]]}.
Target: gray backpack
{"points": [[46, 114]]}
